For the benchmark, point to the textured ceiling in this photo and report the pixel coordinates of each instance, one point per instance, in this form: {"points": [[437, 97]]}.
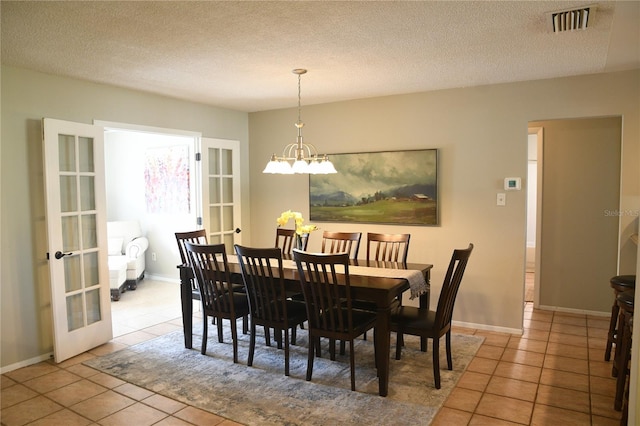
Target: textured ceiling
{"points": [[239, 54]]}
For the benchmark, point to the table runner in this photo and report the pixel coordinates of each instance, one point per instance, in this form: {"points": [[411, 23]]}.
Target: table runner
{"points": [[417, 283]]}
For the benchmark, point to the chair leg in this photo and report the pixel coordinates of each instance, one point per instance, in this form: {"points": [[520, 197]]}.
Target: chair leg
{"points": [[342, 347], [277, 336], [436, 361], [286, 352], [332, 349], [352, 362], [252, 344], [623, 361], [399, 344], [203, 347], [267, 336], [234, 337], [219, 323], [312, 343], [618, 340], [293, 335], [448, 346], [612, 331], [245, 327]]}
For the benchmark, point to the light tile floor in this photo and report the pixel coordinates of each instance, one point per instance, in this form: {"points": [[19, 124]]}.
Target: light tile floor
{"points": [[554, 373]]}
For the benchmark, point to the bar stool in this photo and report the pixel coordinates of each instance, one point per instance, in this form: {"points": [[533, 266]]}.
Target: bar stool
{"points": [[623, 344], [619, 283]]}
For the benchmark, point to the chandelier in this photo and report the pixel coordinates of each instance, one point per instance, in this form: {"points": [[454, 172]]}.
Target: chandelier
{"points": [[299, 157]]}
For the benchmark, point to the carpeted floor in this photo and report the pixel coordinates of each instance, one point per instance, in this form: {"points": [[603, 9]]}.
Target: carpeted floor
{"points": [[263, 395]]}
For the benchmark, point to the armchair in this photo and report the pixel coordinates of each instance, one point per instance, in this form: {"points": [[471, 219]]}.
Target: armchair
{"points": [[127, 247]]}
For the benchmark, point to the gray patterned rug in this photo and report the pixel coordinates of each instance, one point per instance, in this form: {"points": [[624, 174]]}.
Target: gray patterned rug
{"points": [[263, 395]]}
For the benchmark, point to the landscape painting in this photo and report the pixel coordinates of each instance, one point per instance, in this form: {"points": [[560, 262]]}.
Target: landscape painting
{"points": [[391, 187]]}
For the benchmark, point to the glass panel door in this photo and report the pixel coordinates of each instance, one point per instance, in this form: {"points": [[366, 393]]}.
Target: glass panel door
{"points": [[76, 208], [221, 191]]}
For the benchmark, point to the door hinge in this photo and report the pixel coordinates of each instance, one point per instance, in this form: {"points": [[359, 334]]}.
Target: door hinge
{"points": [[199, 220], [198, 156]]}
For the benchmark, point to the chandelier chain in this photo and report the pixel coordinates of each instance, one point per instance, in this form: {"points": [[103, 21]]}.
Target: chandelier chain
{"points": [[299, 108]]}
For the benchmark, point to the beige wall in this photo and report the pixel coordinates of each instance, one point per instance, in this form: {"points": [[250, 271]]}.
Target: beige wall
{"points": [[481, 134], [27, 97]]}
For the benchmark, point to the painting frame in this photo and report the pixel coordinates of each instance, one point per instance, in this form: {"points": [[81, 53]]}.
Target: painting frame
{"points": [[384, 187]]}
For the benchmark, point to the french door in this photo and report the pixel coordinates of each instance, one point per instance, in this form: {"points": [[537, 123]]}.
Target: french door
{"points": [[220, 171], [74, 166], [77, 236]]}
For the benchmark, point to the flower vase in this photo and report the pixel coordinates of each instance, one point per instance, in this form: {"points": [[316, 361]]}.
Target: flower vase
{"points": [[298, 243]]}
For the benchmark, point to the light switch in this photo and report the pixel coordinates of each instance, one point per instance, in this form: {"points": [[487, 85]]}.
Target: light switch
{"points": [[501, 199]]}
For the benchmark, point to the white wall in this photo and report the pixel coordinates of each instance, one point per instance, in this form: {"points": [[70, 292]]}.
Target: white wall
{"points": [[126, 199]]}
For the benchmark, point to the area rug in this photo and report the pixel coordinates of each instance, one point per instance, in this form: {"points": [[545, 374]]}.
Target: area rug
{"points": [[263, 395]]}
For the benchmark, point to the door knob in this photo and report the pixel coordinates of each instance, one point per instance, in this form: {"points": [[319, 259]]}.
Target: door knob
{"points": [[60, 255], [238, 230]]}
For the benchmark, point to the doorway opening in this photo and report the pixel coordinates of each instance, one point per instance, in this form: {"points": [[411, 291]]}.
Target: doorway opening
{"points": [[534, 187], [131, 196]]}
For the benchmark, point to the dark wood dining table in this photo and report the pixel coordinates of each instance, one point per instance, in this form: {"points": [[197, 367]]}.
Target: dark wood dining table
{"points": [[380, 290]]}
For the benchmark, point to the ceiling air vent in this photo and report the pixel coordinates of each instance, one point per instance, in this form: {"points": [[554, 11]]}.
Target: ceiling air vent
{"points": [[570, 20]]}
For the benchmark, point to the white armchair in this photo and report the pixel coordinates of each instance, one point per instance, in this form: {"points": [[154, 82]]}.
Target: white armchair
{"points": [[127, 247]]}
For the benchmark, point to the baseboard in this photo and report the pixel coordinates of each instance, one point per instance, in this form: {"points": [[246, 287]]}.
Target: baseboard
{"points": [[162, 278], [26, 363], [574, 311], [486, 327]]}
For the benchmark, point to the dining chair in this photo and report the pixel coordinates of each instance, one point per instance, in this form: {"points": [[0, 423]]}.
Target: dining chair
{"points": [[200, 237], [269, 306], [385, 248], [285, 240], [388, 247], [325, 284], [341, 242], [433, 324], [217, 294], [194, 237]]}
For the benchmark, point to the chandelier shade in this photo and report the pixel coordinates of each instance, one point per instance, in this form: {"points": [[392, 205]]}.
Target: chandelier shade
{"points": [[299, 157]]}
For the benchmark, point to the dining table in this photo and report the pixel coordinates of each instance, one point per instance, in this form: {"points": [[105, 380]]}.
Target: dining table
{"points": [[380, 282]]}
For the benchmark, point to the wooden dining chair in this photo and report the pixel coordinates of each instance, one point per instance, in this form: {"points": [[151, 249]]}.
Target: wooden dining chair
{"points": [[194, 237], [199, 237], [263, 274], [433, 324], [219, 300], [341, 242], [325, 284], [285, 240], [388, 247], [385, 248]]}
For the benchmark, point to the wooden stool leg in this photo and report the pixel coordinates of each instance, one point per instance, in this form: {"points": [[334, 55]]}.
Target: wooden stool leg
{"points": [[618, 349], [622, 355], [612, 330]]}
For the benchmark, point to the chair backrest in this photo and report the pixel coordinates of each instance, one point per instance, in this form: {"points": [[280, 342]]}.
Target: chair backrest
{"points": [[325, 284], [211, 271], [388, 247], [286, 240], [450, 287], [263, 279], [341, 242], [194, 237]]}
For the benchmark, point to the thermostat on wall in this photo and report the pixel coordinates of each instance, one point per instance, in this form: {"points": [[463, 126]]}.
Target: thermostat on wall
{"points": [[512, 184]]}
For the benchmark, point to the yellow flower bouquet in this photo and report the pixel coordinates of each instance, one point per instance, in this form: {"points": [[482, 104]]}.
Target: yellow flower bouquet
{"points": [[301, 229]]}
